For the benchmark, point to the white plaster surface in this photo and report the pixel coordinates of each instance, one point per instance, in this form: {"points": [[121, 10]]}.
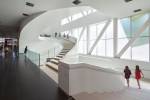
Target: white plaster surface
{"points": [[88, 78]]}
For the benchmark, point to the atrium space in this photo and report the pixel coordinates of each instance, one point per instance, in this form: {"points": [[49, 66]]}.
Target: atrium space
{"points": [[74, 49]]}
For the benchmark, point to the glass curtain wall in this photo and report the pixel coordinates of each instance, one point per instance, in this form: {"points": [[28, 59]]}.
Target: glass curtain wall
{"points": [[127, 27], [105, 44]]}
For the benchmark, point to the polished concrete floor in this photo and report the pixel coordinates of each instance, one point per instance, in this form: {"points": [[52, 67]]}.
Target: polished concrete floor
{"points": [[131, 93], [22, 80]]}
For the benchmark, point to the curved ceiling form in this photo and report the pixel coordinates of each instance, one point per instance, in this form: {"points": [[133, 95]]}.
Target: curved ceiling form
{"points": [[49, 22], [10, 15]]}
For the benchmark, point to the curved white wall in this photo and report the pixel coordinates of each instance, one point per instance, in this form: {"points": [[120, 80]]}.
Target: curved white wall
{"points": [[78, 78], [46, 23]]}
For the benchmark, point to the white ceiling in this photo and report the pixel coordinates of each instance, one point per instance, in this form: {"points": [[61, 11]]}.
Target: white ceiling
{"points": [[118, 8], [11, 10]]}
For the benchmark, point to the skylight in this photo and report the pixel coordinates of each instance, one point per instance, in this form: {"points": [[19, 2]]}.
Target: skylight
{"points": [[77, 16]]}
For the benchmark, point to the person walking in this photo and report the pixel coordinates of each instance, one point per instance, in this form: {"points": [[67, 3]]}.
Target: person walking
{"points": [[16, 51], [25, 52], [55, 34], [127, 74], [138, 74]]}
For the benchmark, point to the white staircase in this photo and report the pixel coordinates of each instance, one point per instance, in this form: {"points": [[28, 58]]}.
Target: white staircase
{"points": [[53, 63]]}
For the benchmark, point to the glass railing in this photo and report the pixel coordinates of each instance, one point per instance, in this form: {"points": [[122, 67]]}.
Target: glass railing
{"points": [[44, 56], [40, 58], [33, 57]]}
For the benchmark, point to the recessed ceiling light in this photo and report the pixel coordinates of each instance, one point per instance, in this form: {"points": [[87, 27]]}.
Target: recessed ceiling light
{"points": [[24, 14], [76, 2], [29, 4], [137, 10], [127, 0]]}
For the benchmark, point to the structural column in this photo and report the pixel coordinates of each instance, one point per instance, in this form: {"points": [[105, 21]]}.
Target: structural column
{"points": [[115, 36], [88, 39]]}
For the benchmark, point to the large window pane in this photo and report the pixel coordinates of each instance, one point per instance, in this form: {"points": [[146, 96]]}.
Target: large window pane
{"points": [[109, 31], [109, 47], [138, 21], [145, 33], [76, 32], [100, 26], [92, 35], [127, 54], [84, 35], [101, 48], [82, 47], [124, 28], [82, 44], [91, 44], [94, 52], [121, 43], [92, 32], [140, 49]]}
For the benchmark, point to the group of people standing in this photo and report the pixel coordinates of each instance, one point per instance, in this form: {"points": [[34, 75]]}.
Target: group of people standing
{"points": [[138, 75], [59, 35]]}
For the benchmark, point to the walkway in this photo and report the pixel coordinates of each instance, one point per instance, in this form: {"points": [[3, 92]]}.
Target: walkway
{"points": [[22, 80], [132, 93]]}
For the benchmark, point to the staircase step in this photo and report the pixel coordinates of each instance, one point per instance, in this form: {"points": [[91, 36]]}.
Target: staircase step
{"points": [[64, 52], [65, 49], [54, 61], [60, 56], [57, 58], [52, 66]]}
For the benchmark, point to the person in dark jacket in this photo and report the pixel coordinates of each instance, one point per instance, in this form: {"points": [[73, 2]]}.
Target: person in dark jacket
{"points": [[127, 74], [25, 50], [16, 50]]}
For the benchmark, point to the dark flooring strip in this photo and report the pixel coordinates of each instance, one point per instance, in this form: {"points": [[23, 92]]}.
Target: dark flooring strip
{"points": [[22, 80]]}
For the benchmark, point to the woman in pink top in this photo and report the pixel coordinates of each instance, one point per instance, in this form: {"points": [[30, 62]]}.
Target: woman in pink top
{"points": [[138, 74]]}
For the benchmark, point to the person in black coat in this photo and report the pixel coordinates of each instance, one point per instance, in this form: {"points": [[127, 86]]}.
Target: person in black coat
{"points": [[25, 50], [127, 74]]}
